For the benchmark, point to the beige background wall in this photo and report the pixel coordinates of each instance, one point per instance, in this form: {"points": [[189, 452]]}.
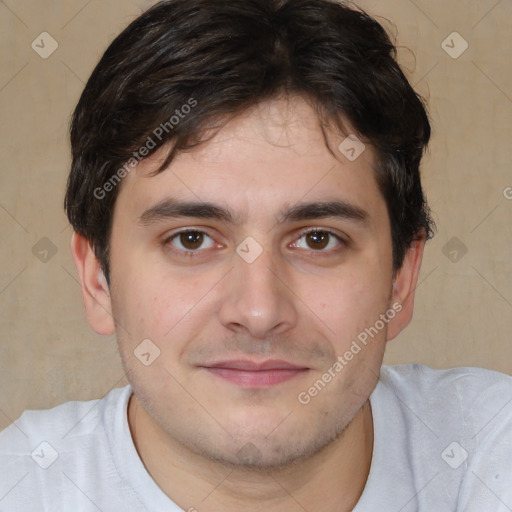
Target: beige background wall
{"points": [[48, 354]]}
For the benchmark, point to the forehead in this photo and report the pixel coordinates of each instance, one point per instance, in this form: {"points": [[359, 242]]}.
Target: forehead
{"points": [[276, 152]]}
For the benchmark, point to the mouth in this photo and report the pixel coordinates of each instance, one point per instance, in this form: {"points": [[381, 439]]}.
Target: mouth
{"points": [[251, 374]]}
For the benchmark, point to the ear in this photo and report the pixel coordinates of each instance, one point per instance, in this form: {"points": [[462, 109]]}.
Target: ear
{"points": [[404, 287], [95, 290]]}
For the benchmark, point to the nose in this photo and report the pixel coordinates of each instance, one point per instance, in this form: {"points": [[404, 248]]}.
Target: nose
{"points": [[258, 298]]}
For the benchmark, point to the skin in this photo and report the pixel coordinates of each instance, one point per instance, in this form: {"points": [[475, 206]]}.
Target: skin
{"points": [[301, 301]]}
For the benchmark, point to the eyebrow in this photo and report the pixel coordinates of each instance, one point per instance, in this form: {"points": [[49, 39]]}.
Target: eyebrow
{"points": [[170, 208]]}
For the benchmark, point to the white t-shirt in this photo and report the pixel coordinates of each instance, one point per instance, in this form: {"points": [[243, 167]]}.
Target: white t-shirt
{"points": [[442, 442]]}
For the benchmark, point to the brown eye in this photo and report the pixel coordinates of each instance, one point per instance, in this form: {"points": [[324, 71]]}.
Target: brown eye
{"points": [[317, 239], [191, 241]]}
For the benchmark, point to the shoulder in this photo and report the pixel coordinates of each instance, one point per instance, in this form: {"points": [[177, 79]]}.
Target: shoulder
{"points": [[453, 426], [463, 383], [48, 456], [467, 399], [65, 421]]}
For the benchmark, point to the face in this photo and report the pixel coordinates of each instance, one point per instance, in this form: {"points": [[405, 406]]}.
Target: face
{"points": [[254, 264]]}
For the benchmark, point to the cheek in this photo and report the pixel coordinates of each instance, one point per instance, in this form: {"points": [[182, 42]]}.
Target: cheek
{"points": [[346, 304], [144, 308], [168, 308]]}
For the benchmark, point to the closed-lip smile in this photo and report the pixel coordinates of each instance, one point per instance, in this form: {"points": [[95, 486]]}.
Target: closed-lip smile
{"points": [[255, 374]]}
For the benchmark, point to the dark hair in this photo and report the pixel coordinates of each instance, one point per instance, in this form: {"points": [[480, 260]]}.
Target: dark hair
{"points": [[185, 64]]}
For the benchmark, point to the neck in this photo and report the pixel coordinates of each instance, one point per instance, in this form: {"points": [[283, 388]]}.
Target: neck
{"points": [[334, 477]]}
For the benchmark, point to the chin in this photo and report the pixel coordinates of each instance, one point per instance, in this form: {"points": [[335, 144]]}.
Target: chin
{"points": [[266, 451]]}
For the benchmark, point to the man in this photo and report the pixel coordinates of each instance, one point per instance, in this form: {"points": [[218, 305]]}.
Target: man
{"points": [[249, 221]]}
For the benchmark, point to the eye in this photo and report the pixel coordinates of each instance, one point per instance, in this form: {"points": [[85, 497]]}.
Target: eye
{"points": [[319, 240], [190, 241]]}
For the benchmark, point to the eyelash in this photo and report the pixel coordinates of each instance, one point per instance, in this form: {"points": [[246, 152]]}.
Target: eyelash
{"points": [[197, 252]]}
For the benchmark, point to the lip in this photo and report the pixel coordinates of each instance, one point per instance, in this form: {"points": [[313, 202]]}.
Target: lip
{"points": [[254, 374]]}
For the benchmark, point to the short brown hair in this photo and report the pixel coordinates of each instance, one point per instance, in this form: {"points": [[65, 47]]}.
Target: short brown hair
{"points": [[219, 57]]}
